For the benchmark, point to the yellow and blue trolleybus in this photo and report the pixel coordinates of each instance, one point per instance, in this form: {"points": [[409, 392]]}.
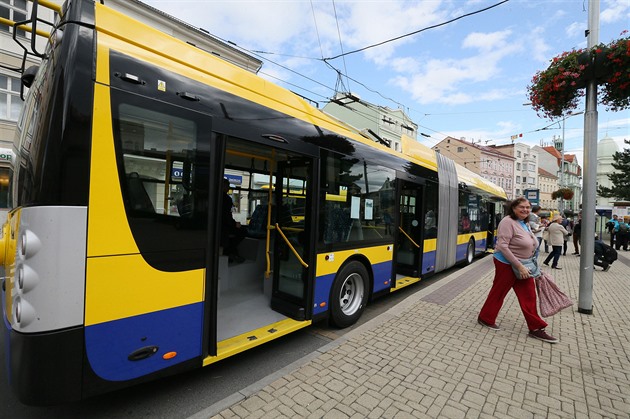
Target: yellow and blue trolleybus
{"points": [[114, 272]]}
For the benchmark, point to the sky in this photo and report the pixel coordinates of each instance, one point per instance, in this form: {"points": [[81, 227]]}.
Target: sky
{"points": [[467, 78]]}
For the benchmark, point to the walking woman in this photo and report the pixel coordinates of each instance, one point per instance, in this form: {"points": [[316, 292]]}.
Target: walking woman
{"points": [[557, 237], [515, 242]]}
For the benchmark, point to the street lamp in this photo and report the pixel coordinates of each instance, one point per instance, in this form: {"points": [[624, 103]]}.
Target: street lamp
{"points": [[570, 114]]}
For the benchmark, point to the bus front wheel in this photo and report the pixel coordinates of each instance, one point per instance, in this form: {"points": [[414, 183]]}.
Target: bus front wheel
{"points": [[349, 295], [470, 252]]}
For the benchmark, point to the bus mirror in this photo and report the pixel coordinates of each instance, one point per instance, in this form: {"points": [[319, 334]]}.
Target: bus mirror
{"points": [[29, 75]]}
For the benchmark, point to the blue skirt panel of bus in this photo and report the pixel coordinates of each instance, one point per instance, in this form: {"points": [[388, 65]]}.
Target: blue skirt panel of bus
{"points": [[323, 285], [428, 262], [149, 336]]}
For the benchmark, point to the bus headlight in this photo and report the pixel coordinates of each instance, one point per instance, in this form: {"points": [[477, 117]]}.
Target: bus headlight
{"points": [[26, 278], [29, 244], [24, 312]]}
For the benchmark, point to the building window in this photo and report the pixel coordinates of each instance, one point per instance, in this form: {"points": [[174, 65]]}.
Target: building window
{"points": [[518, 154], [460, 149], [10, 102], [14, 10]]}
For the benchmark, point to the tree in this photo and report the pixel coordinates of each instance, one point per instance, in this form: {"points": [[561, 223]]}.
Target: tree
{"points": [[620, 178]]}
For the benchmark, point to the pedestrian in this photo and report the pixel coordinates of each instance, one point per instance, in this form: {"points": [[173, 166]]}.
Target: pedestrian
{"points": [[568, 225], [610, 226], [544, 222], [536, 227], [604, 255], [557, 235], [515, 244], [622, 233], [577, 230]]}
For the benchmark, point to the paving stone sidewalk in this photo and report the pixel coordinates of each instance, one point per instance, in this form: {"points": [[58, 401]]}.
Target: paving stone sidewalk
{"points": [[428, 358]]}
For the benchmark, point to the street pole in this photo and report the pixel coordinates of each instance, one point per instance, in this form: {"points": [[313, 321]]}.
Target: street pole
{"points": [[561, 206], [585, 299]]}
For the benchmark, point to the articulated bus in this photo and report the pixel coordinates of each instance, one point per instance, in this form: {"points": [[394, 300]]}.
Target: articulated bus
{"points": [[114, 272]]}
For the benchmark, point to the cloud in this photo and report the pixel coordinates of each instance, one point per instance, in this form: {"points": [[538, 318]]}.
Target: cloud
{"points": [[539, 46], [440, 80], [575, 29], [615, 11]]}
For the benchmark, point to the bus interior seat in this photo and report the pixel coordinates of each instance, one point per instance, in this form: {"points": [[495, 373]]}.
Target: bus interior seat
{"points": [[138, 196]]}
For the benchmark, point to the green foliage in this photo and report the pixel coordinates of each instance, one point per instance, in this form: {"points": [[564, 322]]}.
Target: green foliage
{"points": [[620, 178]]}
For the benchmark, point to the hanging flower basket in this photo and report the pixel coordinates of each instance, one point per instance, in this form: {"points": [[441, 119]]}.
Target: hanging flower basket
{"points": [[557, 90], [615, 93], [564, 193]]}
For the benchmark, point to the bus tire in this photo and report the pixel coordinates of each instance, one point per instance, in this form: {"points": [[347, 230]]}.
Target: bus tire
{"points": [[470, 252], [349, 294]]}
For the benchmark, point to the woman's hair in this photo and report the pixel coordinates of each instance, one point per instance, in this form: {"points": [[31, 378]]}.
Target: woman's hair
{"points": [[515, 203]]}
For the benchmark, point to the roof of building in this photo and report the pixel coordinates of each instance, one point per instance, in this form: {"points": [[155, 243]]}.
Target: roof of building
{"points": [[485, 149], [545, 173], [553, 151]]}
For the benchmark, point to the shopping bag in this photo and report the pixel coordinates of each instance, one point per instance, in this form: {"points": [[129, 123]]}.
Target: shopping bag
{"points": [[550, 298]]}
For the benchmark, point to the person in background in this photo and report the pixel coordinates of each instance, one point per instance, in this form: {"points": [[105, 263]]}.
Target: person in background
{"points": [[515, 242], [577, 230], [557, 235], [568, 226], [604, 255], [536, 226], [622, 233], [610, 226], [231, 231], [544, 222]]}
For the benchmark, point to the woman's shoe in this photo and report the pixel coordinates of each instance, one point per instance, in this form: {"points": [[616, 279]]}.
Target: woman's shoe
{"points": [[540, 334], [546, 263], [488, 325], [556, 267]]}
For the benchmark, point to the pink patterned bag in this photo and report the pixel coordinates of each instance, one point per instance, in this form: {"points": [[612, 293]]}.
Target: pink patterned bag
{"points": [[550, 298]]}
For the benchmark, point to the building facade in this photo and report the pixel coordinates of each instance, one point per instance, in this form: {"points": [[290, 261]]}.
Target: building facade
{"points": [[606, 148], [488, 162], [568, 170], [525, 166], [547, 184]]}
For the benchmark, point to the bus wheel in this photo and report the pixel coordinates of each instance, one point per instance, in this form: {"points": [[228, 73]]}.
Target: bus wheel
{"points": [[349, 295], [470, 252]]}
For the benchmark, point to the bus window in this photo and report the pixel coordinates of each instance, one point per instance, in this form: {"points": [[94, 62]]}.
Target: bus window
{"points": [[5, 181], [156, 159], [359, 201]]}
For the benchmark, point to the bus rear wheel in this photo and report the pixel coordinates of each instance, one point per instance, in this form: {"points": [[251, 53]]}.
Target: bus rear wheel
{"points": [[349, 295]]}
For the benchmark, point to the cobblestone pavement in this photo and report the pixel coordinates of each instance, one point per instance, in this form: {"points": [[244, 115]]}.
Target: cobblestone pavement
{"points": [[428, 357]]}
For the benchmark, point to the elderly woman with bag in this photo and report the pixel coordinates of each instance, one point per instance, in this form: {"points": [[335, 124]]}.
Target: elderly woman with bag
{"points": [[515, 268]]}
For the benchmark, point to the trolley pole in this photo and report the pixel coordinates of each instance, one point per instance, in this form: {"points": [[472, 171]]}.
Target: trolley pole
{"points": [[585, 299]]}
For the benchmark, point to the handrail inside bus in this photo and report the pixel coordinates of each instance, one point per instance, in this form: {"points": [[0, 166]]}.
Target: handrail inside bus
{"points": [[286, 240], [407, 235]]}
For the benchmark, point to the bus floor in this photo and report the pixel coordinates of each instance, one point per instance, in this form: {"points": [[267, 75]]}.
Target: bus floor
{"points": [[244, 293]]}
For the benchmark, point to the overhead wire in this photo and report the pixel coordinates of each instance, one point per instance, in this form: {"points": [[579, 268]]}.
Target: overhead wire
{"points": [[341, 74], [343, 54]]}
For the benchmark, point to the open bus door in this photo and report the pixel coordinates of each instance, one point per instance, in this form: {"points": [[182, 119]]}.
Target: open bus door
{"points": [[294, 238], [409, 239]]}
